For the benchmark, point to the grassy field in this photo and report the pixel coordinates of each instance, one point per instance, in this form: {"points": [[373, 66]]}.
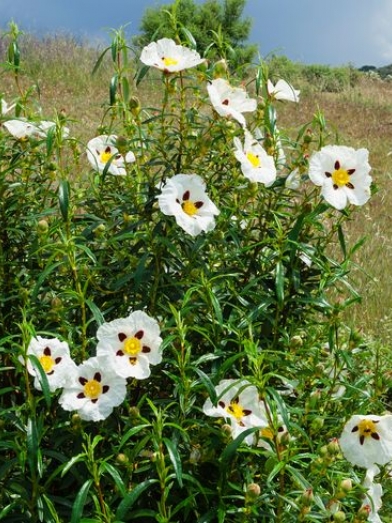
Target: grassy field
{"points": [[59, 69]]}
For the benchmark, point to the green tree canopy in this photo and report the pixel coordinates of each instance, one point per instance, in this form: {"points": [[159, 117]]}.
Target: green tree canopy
{"points": [[218, 28]]}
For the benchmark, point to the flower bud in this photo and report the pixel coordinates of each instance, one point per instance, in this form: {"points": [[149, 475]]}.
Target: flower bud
{"points": [[42, 226], [122, 459], [296, 342], [333, 447], [346, 485], [134, 105], [317, 424], [339, 516], [363, 513], [253, 491], [307, 497], [122, 145]]}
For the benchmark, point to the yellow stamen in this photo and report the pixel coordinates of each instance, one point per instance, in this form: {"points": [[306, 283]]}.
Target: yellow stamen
{"points": [[236, 410], [47, 363], [92, 389], [132, 346], [189, 208], [366, 428], [267, 433], [105, 156], [254, 159], [169, 61], [340, 177]]}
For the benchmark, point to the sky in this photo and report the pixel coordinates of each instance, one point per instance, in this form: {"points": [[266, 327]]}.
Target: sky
{"points": [[330, 32]]}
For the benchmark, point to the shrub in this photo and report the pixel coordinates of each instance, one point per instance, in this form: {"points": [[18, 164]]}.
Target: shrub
{"points": [[183, 270]]}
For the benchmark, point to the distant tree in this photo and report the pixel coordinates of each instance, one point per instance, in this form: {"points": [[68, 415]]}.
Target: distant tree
{"points": [[217, 27]]}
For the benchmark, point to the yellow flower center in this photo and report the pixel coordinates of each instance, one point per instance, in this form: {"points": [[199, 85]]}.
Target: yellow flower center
{"points": [[47, 363], [169, 61], [254, 159], [189, 208], [267, 433], [92, 389], [236, 410], [366, 428], [105, 156], [132, 346], [340, 177]]}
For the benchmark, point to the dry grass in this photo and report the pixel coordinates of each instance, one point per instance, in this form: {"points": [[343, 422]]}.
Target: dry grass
{"points": [[361, 117]]}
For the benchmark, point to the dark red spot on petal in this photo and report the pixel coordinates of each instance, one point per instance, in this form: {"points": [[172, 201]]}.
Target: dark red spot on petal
{"points": [[139, 335], [221, 404], [355, 428], [83, 381], [335, 186], [246, 412], [327, 174], [361, 439], [119, 353], [376, 436], [225, 102], [186, 195], [105, 388], [132, 361], [81, 395], [349, 185], [122, 336], [97, 376], [146, 349], [47, 351], [199, 204], [108, 149], [57, 360], [337, 165], [94, 400]]}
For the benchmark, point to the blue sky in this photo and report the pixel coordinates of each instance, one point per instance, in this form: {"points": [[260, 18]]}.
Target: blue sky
{"points": [[332, 32]]}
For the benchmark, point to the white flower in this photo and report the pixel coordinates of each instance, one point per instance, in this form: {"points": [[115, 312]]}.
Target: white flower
{"points": [[102, 149], [293, 180], [343, 174], [44, 126], [367, 440], [170, 57], [282, 90], [55, 360], [256, 164], [374, 494], [230, 101], [131, 345], [238, 401], [94, 390], [184, 197], [5, 108], [21, 129]]}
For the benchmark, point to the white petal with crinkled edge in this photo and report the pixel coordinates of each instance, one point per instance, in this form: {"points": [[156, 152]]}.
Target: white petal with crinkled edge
{"points": [[371, 451]]}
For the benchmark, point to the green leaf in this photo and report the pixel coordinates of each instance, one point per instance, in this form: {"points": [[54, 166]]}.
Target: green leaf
{"points": [[141, 73], [113, 89], [80, 501], [279, 282], [99, 61], [342, 241], [43, 379], [131, 432], [230, 450], [98, 316], [208, 384], [113, 472], [125, 89], [129, 500], [64, 190], [175, 459]]}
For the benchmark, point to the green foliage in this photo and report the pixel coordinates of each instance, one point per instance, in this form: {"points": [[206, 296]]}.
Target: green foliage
{"points": [[80, 247], [216, 27]]}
